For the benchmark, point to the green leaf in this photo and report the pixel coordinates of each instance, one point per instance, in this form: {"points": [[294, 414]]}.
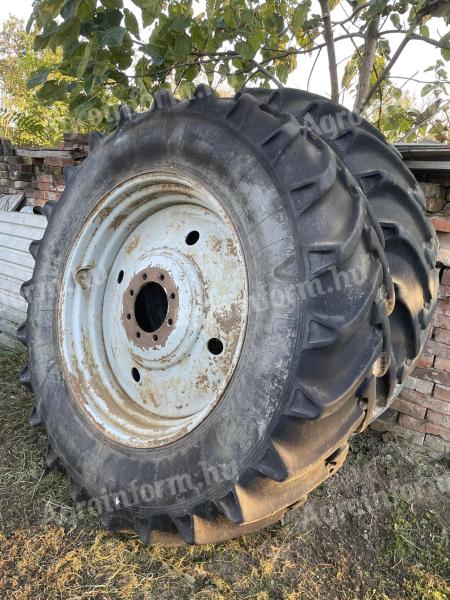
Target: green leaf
{"points": [[131, 23], [427, 89], [113, 37], [52, 90], [41, 42], [245, 50], [39, 77], [395, 18], [299, 15], [182, 46], [112, 3], [446, 51], [70, 8], [197, 35], [424, 31]]}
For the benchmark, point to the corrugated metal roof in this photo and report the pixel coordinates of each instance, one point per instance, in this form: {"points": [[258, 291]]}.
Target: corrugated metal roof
{"points": [[433, 159]]}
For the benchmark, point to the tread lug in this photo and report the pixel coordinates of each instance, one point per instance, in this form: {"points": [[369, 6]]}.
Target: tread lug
{"points": [[69, 172], [231, 507], [25, 377], [185, 527], [26, 290], [271, 465]]}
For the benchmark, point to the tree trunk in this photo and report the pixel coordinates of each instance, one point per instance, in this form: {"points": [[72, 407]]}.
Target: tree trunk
{"points": [[329, 39], [367, 62]]}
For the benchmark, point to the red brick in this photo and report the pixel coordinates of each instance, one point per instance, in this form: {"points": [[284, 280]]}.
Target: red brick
{"points": [[441, 350], [58, 162], [409, 408], [437, 443], [43, 185], [442, 336], [440, 222], [443, 364], [414, 383], [441, 320], [444, 292], [445, 278], [44, 178], [414, 396], [443, 307], [422, 426], [439, 419], [432, 402], [432, 375], [442, 392], [412, 436], [51, 195], [426, 360]]}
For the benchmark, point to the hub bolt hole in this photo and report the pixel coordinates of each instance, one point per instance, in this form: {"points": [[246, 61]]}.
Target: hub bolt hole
{"points": [[144, 276], [169, 322], [155, 338], [138, 334], [192, 238], [120, 277], [135, 374], [172, 296], [215, 346], [131, 292], [161, 277], [128, 316]]}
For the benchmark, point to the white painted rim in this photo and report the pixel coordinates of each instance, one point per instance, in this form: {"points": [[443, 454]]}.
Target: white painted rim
{"points": [[146, 378]]}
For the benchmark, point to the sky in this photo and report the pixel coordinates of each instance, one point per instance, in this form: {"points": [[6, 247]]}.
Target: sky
{"points": [[416, 57]]}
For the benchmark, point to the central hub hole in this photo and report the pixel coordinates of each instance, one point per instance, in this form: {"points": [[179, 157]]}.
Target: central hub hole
{"points": [[150, 307]]}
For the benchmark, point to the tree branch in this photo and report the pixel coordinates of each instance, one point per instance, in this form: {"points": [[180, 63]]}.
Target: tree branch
{"points": [[267, 73], [365, 100], [353, 15], [416, 36], [312, 69], [329, 39], [430, 113]]}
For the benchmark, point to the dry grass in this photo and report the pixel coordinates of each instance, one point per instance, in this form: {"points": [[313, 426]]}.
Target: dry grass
{"points": [[344, 551]]}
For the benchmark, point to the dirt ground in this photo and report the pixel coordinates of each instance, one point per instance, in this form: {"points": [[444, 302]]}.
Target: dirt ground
{"points": [[378, 530]]}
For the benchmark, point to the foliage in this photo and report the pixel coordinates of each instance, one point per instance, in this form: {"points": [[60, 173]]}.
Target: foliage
{"points": [[23, 117], [404, 118], [121, 51]]}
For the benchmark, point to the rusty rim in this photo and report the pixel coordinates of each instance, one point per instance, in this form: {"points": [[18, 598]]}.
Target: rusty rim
{"points": [[153, 309]]}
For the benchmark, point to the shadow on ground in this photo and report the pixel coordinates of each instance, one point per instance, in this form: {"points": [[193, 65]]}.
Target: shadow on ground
{"points": [[376, 530]]}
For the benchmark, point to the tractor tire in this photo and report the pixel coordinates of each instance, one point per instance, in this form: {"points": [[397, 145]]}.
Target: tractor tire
{"points": [[212, 245], [397, 201]]}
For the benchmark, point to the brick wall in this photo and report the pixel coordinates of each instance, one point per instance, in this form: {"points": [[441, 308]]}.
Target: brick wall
{"points": [[421, 413], [38, 173]]}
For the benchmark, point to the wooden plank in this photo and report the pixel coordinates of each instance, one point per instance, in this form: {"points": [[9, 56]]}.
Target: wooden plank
{"points": [[9, 342], [24, 219], [49, 153], [9, 256]]}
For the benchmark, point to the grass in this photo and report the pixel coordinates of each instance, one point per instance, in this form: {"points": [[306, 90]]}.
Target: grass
{"points": [[365, 534]]}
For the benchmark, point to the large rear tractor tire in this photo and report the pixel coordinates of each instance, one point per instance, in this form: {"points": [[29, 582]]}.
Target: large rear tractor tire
{"points": [[398, 203], [207, 319]]}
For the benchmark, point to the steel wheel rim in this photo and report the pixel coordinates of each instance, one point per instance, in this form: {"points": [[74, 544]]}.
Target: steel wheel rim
{"points": [[160, 260]]}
